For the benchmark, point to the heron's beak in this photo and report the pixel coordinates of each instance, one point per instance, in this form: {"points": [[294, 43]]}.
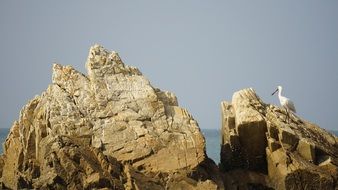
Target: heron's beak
{"points": [[274, 92]]}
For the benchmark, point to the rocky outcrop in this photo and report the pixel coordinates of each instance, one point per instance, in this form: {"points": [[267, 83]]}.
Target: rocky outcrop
{"points": [[278, 154], [110, 129]]}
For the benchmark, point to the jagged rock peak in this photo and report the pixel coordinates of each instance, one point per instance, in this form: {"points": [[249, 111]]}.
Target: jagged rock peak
{"points": [[109, 129], [281, 154], [102, 62]]}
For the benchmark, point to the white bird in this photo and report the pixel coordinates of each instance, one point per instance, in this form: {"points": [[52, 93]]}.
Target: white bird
{"points": [[285, 102]]}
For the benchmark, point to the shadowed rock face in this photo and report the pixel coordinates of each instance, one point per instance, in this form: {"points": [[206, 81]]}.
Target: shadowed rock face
{"points": [[282, 155], [109, 128]]}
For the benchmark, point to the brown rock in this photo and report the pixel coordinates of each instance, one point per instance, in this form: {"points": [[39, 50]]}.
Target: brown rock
{"points": [[297, 154], [107, 129], [248, 126], [111, 129]]}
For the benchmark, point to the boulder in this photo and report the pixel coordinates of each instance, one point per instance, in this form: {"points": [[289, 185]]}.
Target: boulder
{"points": [[287, 155], [108, 129], [243, 124]]}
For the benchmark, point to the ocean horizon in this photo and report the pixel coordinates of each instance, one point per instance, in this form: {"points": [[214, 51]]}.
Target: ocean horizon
{"points": [[212, 137]]}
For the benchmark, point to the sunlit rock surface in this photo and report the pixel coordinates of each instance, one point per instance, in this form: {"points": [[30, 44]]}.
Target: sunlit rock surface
{"points": [[109, 128], [256, 139]]}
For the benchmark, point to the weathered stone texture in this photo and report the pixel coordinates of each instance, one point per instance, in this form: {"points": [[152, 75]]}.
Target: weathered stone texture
{"points": [[109, 128], [243, 124], [291, 155]]}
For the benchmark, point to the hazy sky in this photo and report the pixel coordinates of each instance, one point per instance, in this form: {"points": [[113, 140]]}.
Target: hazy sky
{"points": [[203, 51]]}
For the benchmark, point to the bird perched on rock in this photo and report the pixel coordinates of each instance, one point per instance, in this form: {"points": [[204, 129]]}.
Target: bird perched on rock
{"points": [[285, 102]]}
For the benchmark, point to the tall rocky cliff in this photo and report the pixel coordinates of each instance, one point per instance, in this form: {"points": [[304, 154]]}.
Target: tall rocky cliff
{"points": [[110, 129]]}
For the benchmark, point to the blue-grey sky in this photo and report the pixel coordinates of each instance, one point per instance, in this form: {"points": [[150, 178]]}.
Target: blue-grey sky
{"points": [[203, 51]]}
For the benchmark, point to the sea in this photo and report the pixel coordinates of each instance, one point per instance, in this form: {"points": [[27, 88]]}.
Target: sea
{"points": [[212, 137]]}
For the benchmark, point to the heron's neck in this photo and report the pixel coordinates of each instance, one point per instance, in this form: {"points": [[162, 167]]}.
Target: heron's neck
{"points": [[280, 92]]}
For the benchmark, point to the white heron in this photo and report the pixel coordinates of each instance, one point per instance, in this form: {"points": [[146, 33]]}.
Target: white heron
{"points": [[285, 102]]}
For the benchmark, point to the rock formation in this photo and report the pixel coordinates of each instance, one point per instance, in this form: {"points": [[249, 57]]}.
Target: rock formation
{"points": [[278, 154], [109, 129]]}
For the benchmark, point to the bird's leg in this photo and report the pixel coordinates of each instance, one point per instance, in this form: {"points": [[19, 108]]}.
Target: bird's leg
{"points": [[286, 114]]}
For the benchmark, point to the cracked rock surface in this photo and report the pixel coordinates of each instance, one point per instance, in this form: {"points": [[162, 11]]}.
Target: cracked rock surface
{"points": [[108, 129], [260, 149], [111, 129]]}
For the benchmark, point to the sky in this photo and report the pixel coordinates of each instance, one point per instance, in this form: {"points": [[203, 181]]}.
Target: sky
{"points": [[203, 51]]}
